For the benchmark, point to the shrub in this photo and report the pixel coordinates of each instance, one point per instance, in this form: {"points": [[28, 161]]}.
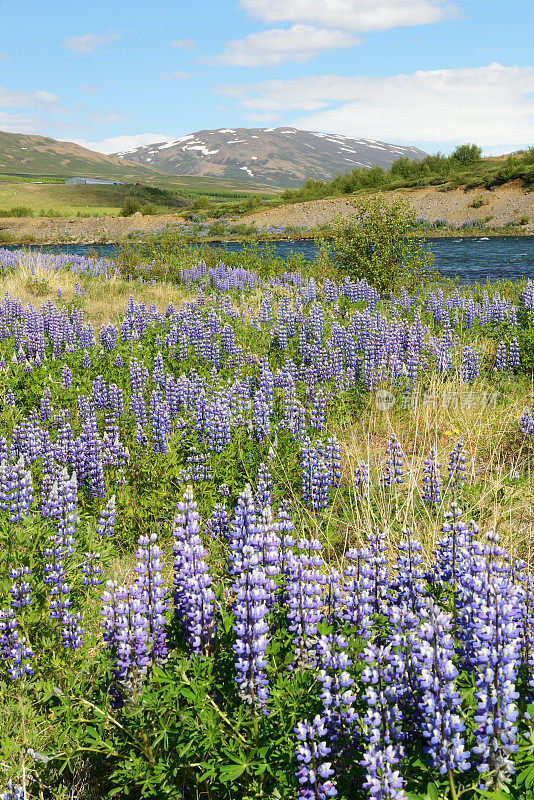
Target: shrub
{"points": [[130, 206], [379, 244], [477, 203], [200, 202], [17, 211], [217, 228], [467, 154], [148, 209]]}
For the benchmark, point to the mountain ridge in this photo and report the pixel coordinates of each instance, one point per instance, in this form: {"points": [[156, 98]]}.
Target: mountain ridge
{"points": [[281, 157], [42, 155]]}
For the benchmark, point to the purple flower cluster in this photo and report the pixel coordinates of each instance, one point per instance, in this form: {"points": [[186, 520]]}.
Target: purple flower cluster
{"points": [[194, 599]]}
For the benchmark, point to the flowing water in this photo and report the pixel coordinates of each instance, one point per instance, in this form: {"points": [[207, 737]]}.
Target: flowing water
{"points": [[473, 259]]}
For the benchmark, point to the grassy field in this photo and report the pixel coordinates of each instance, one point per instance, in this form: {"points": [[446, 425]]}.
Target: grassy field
{"points": [[51, 198]]}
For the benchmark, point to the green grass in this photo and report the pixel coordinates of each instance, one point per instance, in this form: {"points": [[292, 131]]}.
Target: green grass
{"points": [[50, 198]]}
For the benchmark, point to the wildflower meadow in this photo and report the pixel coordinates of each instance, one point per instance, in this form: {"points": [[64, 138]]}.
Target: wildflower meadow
{"points": [[266, 532]]}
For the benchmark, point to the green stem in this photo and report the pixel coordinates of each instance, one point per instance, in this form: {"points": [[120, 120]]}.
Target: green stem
{"points": [[454, 795]]}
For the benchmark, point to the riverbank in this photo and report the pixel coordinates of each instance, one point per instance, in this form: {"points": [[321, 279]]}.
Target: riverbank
{"points": [[495, 209], [506, 210]]}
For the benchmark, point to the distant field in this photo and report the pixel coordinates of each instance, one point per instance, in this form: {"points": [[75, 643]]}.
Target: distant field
{"points": [[50, 198], [62, 199]]}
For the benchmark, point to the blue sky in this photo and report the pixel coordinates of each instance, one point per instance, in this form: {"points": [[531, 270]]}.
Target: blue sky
{"points": [[111, 74]]}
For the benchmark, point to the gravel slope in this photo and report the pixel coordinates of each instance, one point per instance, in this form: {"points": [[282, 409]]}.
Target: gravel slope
{"points": [[503, 204]]}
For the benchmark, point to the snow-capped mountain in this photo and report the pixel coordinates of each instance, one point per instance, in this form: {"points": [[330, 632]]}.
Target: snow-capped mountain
{"points": [[281, 157]]}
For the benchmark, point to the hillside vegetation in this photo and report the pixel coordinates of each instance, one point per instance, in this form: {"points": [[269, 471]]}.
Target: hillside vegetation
{"points": [[53, 199], [464, 167]]}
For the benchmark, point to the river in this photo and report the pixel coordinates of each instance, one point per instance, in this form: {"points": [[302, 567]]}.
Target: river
{"points": [[469, 259]]}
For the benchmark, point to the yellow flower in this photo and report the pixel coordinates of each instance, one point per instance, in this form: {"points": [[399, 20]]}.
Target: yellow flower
{"points": [[448, 433]]}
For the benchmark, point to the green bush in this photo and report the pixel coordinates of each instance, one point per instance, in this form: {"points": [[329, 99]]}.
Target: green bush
{"points": [[200, 203], [379, 244], [148, 209], [467, 154], [17, 211], [217, 228], [130, 206]]}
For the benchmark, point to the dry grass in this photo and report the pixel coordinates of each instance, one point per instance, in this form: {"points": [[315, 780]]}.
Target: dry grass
{"points": [[104, 301]]}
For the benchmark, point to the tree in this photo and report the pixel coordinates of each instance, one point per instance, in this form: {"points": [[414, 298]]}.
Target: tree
{"points": [[380, 243], [467, 154]]}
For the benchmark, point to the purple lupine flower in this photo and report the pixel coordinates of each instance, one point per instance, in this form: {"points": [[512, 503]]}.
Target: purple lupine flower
{"points": [[438, 703], [149, 567], [21, 589], [46, 405], [393, 472], [61, 507], [265, 485], [362, 481], [318, 412], [432, 480], [527, 421], [358, 594], [193, 595], [66, 377], [456, 467], [92, 455], [91, 569], [14, 649], [409, 585], [14, 792], [336, 689], [253, 594], [331, 454], [158, 375], [106, 521], [501, 358], [495, 657], [316, 478], [514, 357], [305, 585], [19, 496], [382, 721], [161, 422], [374, 571], [218, 524], [315, 772], [125, 625]]}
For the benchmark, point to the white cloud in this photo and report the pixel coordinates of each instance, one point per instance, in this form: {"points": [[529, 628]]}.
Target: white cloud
{"points": [[120, 144], [270, 48], [20, 123], [173, 76], [491, 105], [36, 99], [82, 87], [355, 15], [4, 56], [183, 44], [112, 116], [88, 42]]}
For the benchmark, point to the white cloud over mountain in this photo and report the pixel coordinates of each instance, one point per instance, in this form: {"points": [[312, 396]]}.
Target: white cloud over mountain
{"points": [[491, 105], [120, 144]]}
